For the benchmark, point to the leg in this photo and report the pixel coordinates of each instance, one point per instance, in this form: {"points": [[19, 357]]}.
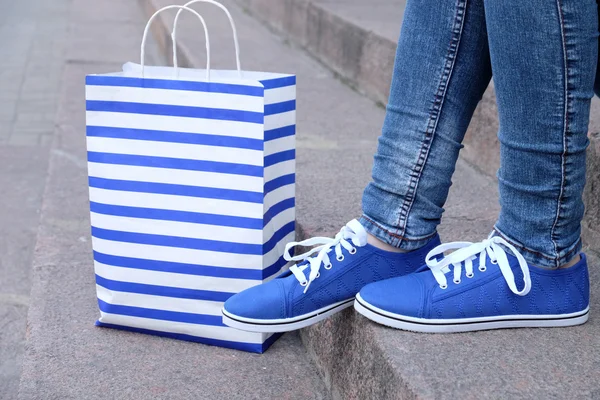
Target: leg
{"points": [[442, 70], [543, 56], [544, 60]]}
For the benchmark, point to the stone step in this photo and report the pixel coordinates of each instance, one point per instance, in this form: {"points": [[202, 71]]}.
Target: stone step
{"points": [[66, 356], [336, 139], [357, 40], [28, 75]]}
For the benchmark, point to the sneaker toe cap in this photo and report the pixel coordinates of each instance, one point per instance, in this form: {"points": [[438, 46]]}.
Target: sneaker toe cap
{"points": [[403, 295], [264, 301]]}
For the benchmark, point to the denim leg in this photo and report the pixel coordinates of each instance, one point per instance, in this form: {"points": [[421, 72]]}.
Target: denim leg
{"points": [[544, 56], [441, 72]]}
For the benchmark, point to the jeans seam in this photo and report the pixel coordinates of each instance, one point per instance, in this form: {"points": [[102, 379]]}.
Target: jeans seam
{"points": [[519, 246], [437, 105], [565, 130]]}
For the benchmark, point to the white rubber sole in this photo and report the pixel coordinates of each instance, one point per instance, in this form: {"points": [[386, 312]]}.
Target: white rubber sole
{"points": [[467, 324], [286, 324]]}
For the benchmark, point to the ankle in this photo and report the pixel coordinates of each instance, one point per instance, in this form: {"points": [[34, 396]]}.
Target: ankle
{"points": [[373, 241], [571, 263]]}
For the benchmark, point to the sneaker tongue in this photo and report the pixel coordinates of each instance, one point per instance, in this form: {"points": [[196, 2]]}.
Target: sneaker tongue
{"points": [[359, 230]]}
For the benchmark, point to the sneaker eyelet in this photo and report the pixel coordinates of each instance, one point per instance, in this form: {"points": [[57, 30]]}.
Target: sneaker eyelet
{"points": [[340, 258], [456, 281], [328, 266], [494, 262], [318, 275], [353, 251], [470, 275], [482, 268], [304, 283], [443, 287]]}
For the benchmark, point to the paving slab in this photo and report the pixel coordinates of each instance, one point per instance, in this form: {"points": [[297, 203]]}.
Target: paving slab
{"points": [[67, 357], [22, 179], [24, 146]]}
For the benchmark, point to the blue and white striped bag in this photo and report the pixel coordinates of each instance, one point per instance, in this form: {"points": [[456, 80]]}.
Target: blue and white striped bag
{"points": [[191, 194]]}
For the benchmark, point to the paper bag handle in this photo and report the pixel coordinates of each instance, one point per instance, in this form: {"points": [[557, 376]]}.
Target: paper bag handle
{"points": [[145, 37], [235, 36]]}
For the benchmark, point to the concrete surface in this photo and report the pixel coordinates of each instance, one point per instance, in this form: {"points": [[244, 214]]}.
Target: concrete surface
{"points": [[358, 359], [30, 72], [357, 40], [383, 363], [66, 356]]}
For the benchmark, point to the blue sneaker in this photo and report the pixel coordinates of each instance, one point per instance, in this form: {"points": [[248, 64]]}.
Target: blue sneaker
{"points": [[439, 297], [323, 283]]}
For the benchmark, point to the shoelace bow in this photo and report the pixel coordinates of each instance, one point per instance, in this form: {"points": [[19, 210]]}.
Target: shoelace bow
{"points": [[466, 252], [348, 238]]}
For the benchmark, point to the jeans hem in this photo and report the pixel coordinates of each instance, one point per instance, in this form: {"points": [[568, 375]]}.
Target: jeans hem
{"points": [[393, 239], [540, 259]]}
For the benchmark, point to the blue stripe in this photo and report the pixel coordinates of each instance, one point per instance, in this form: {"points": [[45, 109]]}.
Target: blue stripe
{"points": [[279, 157], [278, 133], [178, 190], [279, 82], [175, 111], [279, 182], [210, 87], [277, 208], [278, 236], [165, 291], [174, 316], [175, 137], [250, 347], [278, 108], [180, 216], [273, 268], [176, 163], [178, 268], [177, 241]]}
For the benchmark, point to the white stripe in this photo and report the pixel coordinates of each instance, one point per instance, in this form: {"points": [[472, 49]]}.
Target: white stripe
{"points": [[279, 249], [281, 270], [279, 95], [250, 78], [191, 256], [175, 97], [180, 255], [278, 120], [177, 229], [175, 176], [279, 145], [171, 279], [175, 150], [277, 222], [203, 331], [159, 302], [278, 195], [280, 169], [175, 124], [179, 203]]}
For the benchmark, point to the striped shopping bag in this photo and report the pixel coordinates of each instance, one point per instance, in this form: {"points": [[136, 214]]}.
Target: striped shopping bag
{"points": [[191, 179]]}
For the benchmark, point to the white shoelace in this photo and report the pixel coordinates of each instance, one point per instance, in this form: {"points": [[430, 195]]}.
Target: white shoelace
{"points": [[466, 252], [353, 232]]}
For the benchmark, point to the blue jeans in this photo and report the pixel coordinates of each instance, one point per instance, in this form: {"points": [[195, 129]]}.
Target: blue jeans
{"points": [[543, 56]]}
